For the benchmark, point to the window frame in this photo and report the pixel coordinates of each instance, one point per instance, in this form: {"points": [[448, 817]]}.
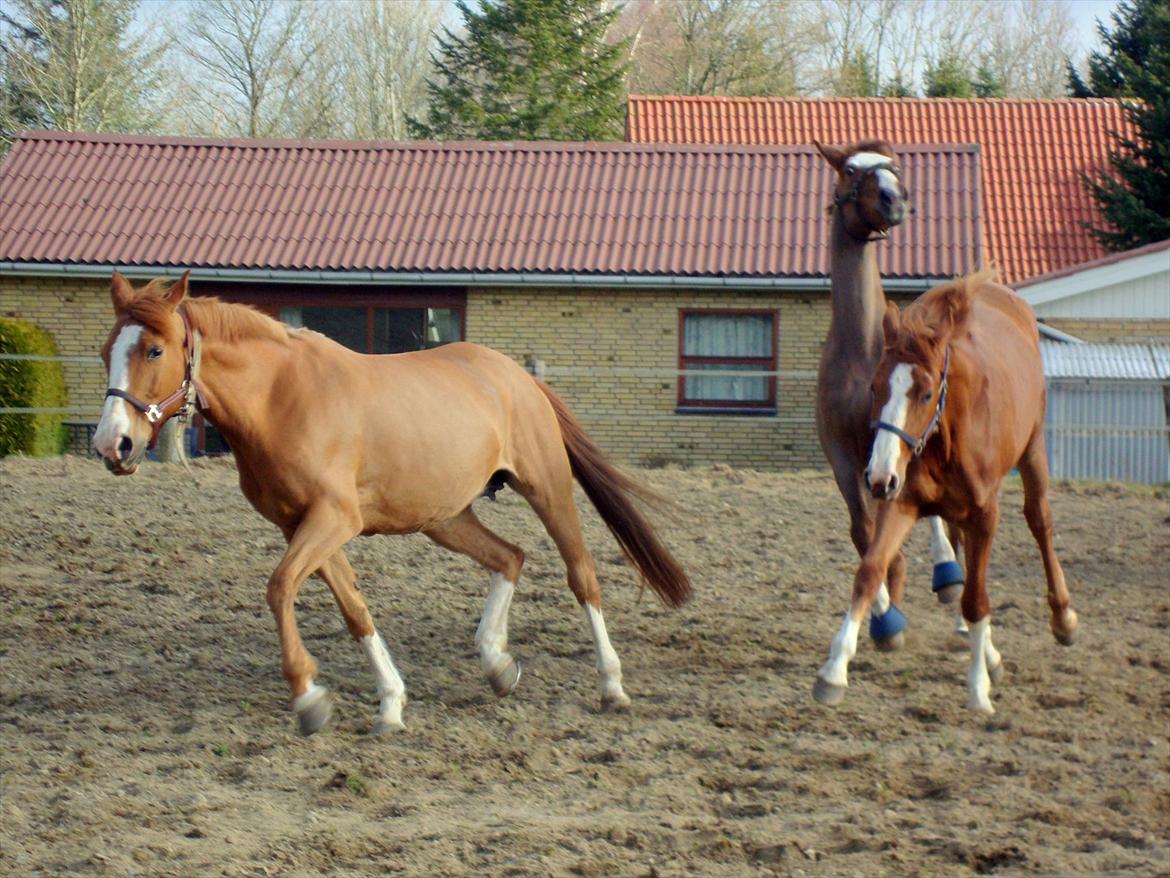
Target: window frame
{"points": [[763, 364]]}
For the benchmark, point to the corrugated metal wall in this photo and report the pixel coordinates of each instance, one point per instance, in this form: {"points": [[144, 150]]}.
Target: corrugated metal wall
{"points": [[1108, 430]]}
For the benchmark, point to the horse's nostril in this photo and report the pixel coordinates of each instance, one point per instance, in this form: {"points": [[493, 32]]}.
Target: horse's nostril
{"points": [[125, 446], [893, 485]]}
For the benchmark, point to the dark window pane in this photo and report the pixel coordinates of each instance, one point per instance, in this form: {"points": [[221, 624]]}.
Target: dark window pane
{"points": [[397, 330], [442, 326], [349, 326]]}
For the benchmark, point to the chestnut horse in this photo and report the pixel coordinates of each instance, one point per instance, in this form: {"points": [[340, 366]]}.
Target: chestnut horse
{"points": [[331, 444], [958, 401], [869, 199]]}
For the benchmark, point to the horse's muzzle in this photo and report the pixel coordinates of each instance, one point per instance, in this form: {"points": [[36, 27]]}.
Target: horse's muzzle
{"points": [[884, 489]]}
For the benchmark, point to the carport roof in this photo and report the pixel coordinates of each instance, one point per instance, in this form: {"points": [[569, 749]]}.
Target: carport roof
{"points": [[599, 209]]}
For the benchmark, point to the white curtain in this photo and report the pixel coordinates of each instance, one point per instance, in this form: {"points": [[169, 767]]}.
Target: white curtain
{"points": [[727, 335]]}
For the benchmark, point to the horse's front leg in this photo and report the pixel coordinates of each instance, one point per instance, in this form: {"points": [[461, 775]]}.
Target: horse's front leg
{"points": [[322, 531], [986, 664], [894, 522]]}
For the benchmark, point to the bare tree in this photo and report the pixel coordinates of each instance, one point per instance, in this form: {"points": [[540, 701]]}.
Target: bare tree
{"points": [[383, 64], [72, 65], [252, 58]]}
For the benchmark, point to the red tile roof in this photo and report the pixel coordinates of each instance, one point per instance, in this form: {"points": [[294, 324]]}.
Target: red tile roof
{"points": [[1033, 153], [614, 208]]}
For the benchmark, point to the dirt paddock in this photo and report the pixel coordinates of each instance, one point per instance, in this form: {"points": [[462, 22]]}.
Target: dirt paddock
{"points": [[146, 731]]}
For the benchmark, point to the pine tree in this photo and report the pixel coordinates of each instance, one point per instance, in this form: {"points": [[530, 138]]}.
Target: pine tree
{"points": [[948, 77], [527, 70], [1135, 197], [988, 83]]}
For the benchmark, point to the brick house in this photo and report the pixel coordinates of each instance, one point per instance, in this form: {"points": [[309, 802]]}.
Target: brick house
{"points": [[677, 296]]}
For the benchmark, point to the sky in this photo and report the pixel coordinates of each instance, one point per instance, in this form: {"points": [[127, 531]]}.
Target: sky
{"points": [[1085, 13]]}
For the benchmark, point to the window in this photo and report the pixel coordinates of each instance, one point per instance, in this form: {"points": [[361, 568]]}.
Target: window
{"points": [[380, 330], [725, 342]]}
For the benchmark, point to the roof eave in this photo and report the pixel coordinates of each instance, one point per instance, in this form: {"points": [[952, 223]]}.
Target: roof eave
{"points": [[448, 278]]}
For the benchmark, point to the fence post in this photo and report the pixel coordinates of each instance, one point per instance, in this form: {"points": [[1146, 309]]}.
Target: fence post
{"points": [[169, 438]]}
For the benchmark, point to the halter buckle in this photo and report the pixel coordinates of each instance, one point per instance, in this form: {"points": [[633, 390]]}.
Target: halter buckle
{"points": [[153, 413]]}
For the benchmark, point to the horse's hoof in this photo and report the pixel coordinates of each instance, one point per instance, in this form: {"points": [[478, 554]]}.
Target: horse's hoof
{"points": [[619, 703], [829, 694], [984, 708], [890, 644], [948, 594], [313, 710], [996, 674], [947, 581], [1065, 629], [384, 725], [886, 630], [504, 680]]}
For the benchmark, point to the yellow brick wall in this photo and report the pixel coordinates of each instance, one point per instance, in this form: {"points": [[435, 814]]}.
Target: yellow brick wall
{"points": [[77, 313], [599, 345], [1114, 331]]}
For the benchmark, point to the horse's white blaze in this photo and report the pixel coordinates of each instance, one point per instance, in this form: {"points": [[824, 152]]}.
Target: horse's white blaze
{"points": [[843, 648], [391, 689], [881, 604], [887, 446], [886, 178], [115, 422], [608, 666], [978, 678], [491, 637]]}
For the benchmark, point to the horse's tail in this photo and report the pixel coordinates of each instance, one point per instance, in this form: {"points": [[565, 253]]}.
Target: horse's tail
{"points": [[612, 494]]}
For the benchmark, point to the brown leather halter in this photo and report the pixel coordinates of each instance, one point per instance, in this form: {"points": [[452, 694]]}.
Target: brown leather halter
{"points": [[189, 395]]}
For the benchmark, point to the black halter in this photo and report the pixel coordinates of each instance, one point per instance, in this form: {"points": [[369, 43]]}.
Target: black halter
{"points": [[189, 395], [841, 199], [918, 444]]}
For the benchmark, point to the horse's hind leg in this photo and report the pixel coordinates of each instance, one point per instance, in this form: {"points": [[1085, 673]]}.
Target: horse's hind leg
{"points": [[467, 535], [552, 500], [339, 576], [1033, 468]]}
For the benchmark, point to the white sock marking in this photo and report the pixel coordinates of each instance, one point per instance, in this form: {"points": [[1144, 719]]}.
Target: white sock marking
{"points": [[941, 549], [887, 446], [843, 648], [391, 689], [881, 604], [491, 637], [978, 679], [609, 668], [115, 420]]}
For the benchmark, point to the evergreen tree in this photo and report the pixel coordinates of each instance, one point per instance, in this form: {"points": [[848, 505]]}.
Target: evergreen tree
{"points": [[948, 77], [70, 65], [1135, 197], [897, 88], [527, 70], [858, 76], [988, 83]]}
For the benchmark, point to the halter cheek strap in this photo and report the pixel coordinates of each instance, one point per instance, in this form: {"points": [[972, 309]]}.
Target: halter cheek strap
{"points": [[189, 394], [918, 443]]}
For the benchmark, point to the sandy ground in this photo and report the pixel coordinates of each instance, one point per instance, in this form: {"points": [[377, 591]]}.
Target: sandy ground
{"points": [[146, 731]]}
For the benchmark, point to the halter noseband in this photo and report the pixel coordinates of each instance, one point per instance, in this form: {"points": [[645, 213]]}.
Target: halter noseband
{"points": [[839, 199], [918, 444], [189, 394]]}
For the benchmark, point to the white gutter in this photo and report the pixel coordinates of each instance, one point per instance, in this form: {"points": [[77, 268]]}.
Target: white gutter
{"points": [[440, 278]]}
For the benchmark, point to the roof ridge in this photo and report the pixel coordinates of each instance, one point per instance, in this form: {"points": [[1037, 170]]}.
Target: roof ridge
{"points": [[500, 146]]}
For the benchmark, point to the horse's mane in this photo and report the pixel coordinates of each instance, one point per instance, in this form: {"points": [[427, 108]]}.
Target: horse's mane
{"points": [[224, 321], [942, 310]]}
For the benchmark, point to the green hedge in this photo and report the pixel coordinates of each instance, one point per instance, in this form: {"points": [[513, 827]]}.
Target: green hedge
{"points": [[30, 384]]}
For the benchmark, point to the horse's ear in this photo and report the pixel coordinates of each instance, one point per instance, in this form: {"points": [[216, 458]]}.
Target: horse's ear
{"points": [[121, 293], [178, 292], [834, 155], [891, 323]]}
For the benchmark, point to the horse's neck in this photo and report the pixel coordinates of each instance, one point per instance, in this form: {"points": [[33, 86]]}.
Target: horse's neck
{"points": [[237, 380], [858, 301]]}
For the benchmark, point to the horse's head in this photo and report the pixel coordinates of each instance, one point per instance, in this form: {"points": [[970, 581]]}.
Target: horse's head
{"points": [[147, 355], [910, 387], [869, 193]]}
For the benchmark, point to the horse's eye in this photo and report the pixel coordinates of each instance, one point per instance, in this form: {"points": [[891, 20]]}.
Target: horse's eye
{"points": [[849, 169], [927, 397], [154, 353]]}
